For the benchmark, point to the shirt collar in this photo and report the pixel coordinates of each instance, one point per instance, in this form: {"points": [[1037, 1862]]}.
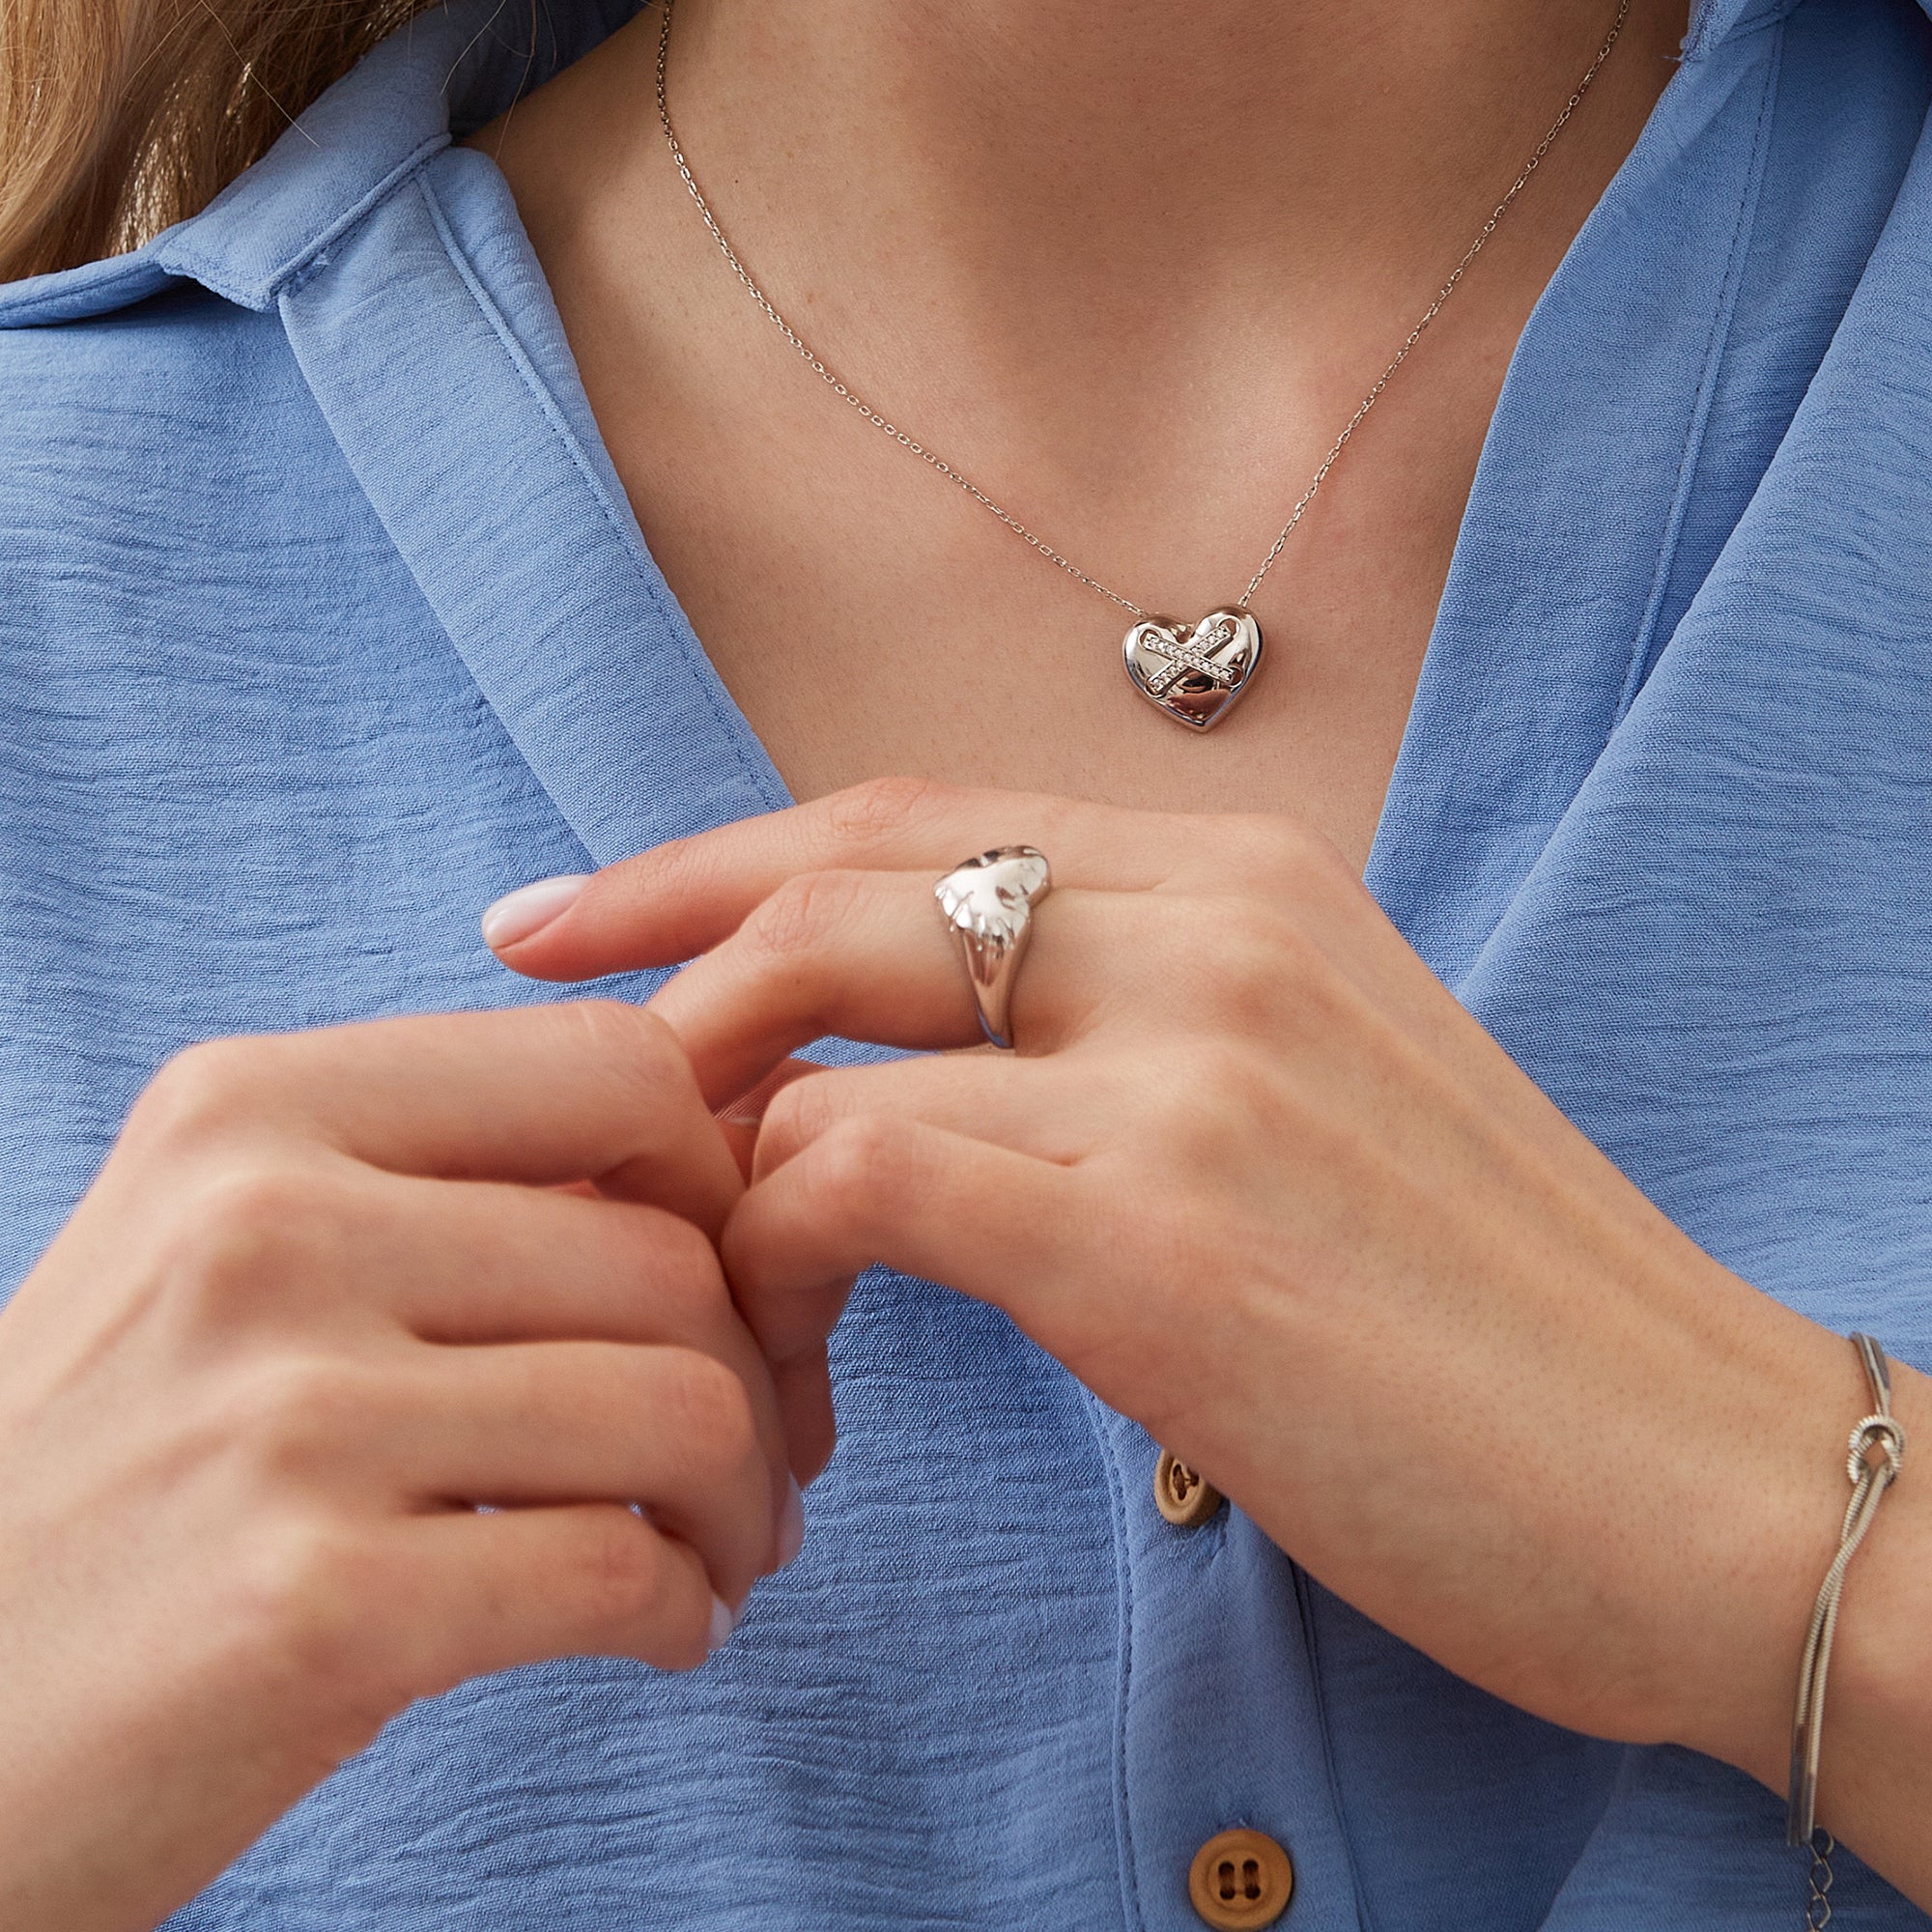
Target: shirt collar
{"points": [[439, 77], [444, 74]]}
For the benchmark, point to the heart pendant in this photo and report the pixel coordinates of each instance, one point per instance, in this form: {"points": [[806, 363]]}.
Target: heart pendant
{"points": [[1194, 675]]}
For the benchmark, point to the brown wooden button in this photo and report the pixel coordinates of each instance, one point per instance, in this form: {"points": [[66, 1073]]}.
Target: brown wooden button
{"points": [[1240, 1880], [1182, 1496]]}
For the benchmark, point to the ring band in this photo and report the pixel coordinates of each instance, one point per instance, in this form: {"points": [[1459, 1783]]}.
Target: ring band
{"points": [[987, 903]]}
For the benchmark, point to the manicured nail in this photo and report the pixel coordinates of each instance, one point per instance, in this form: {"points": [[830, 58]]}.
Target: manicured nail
{"points": [[530, 908], [791, 1522], [722, 1623]]}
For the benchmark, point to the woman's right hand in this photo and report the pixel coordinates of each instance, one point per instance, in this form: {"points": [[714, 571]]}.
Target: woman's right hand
{"points": [[328, 1293]]}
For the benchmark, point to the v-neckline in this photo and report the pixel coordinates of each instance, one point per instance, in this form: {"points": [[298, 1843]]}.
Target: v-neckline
{"points": [[508, 510]]}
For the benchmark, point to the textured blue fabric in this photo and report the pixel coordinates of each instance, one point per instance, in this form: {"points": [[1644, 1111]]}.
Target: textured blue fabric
{"points": [[324, 619]]}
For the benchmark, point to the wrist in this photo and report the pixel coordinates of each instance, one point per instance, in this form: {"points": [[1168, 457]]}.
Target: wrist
{"points": [[1875, 1763], [1769, 1532], [1740, 1691]]}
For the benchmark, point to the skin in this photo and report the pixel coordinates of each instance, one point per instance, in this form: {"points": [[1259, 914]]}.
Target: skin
{"points": [[329, 1292], [1145, 362], [248, 1396], [1386, 1297]]}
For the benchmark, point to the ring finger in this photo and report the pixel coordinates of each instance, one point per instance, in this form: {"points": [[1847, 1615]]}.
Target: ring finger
{"points": [[866, 955]]}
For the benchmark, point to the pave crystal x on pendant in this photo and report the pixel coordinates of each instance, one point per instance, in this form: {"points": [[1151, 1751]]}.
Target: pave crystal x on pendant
{"points": [[1193, 673]]}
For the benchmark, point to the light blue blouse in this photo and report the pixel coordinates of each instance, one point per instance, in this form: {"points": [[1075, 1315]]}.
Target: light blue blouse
{"points": [[322, 621]]}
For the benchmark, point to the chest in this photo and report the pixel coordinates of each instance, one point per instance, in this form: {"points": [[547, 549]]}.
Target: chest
{"points": [[870, 616]]}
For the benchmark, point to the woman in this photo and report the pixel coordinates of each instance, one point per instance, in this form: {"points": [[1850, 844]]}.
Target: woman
{"points": [[326, 621]]}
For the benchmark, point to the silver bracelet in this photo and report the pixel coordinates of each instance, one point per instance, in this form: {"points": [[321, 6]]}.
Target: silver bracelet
{"points": [[1877, 1455]]}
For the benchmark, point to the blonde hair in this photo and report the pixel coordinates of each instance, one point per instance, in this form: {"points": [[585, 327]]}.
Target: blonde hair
{"points": [[118, 116]]}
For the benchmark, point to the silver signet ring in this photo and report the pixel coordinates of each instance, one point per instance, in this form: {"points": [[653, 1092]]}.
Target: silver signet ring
{"points": [[988, 905]]}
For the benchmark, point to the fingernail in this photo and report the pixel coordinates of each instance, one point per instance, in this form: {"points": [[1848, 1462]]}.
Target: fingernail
{"points": [[791, 1522], [530, 908], [722, 1623]]}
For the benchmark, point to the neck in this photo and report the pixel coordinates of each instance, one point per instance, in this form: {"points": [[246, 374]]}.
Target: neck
{"points": [[1241, 152], [1074, 242]]}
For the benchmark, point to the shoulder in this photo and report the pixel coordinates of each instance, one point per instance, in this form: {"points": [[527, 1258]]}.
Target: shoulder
{"points": [[105, 366], [165, 383], [152, 404], [96, 387], [144, 451]]}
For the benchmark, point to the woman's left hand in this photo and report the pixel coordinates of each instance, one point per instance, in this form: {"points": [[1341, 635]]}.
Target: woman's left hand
{"points": [[1258, 1179]]}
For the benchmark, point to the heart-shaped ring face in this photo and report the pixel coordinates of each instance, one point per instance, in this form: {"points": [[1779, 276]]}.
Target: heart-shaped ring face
{"points": [[991, 898], [1194, 674]]}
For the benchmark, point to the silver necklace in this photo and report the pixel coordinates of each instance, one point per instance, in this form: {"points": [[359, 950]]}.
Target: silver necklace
{"points": [[1192, 673]]}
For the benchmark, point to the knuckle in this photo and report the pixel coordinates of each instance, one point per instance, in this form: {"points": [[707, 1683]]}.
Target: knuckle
{"points": [[200, 1094], [1226, 1074], [627, 1588], [630, 1047], [290, 1414], [884, 806], [687, 1263], [798, 1114], [686, 1279], [248, 1228], [300, 1602], [855, 1161], [621, 1572], [1248, 953], [1290, 850], [704, 1405], [613, 1034], [736, 1428], [1306, 995], [796, 919], [300, 1572], [1211, 1098]]}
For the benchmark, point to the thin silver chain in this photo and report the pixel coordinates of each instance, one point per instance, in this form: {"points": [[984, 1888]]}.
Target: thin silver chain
{"points": [[935, 461], [1818, 1881]]}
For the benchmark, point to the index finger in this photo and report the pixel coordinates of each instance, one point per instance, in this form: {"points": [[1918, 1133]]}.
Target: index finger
{"points": [[581, 1090], [681, 900]]}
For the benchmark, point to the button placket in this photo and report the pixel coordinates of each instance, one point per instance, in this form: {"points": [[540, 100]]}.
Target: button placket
{"points": [[1220, 1721]]}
